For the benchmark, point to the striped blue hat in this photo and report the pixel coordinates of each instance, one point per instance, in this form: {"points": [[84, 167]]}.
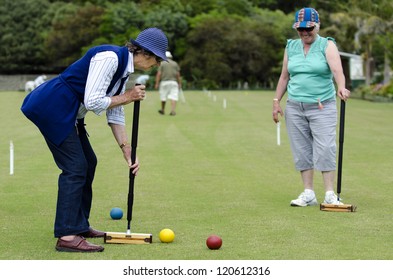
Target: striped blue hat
{"points": [[306, 17], [153, 40]]}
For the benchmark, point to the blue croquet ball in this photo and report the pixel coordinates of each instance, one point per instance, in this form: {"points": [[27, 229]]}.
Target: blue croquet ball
{"points": [[116, 213]]}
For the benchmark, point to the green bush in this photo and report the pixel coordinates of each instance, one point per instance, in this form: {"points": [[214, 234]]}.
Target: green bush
{"points": [[377, 92], [387, 90]]}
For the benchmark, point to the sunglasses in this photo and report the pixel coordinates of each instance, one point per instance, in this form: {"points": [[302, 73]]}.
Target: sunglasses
{"points": [[307, 29]]}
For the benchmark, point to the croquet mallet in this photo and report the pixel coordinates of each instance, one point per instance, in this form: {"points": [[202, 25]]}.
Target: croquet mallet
{"points": [[128, 237], [339, 207]]}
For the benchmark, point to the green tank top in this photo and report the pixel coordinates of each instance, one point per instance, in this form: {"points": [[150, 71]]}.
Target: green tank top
{"points": [[310, 77]]}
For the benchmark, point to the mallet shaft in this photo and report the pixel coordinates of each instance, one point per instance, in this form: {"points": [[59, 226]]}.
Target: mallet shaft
{"points": [[134, 144], [341, 148]]}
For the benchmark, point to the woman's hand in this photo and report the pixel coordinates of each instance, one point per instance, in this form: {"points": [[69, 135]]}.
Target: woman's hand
{"points": [[137, 93], [127, 156], [343, 93], [277, 110]]}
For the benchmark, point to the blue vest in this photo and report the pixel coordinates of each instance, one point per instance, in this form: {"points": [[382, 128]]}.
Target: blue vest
{"points": [[53, 106]]}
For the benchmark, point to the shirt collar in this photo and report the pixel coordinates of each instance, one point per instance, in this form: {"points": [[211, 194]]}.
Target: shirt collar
{"points": [[130, 65]]}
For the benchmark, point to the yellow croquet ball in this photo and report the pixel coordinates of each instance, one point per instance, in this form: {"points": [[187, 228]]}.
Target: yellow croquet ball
{"points": [[166, 235]]}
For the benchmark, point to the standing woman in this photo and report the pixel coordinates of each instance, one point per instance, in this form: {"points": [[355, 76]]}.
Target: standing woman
{"points": [[96, 82], [310, 63]]}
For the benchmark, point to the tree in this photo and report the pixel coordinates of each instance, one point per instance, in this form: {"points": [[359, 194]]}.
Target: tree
{"points": [[23, 25], [120, 22], [235, 7], [385, 12], [171, 17], [370, 22], [73, 27], [282, 5], [197, 7], [224, 49]]}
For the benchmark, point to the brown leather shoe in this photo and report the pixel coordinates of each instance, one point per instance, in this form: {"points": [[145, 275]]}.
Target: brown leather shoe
{"points": [[78, 244], [92, 233]]}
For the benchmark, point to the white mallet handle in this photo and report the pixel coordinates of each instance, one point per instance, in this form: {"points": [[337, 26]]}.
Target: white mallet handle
{"points": [[278, 134]]}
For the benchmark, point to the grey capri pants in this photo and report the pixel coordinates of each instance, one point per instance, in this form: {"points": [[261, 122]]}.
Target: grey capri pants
{"points": [[312, 134]]}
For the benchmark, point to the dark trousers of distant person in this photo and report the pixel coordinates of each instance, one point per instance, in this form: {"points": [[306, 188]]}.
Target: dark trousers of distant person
{"points": [[77, 160]]}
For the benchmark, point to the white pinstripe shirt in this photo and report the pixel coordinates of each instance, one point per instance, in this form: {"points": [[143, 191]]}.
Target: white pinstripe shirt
{"points": [[102, 68]]}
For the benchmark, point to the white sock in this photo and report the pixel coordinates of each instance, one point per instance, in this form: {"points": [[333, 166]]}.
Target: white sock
{"points": [[308, 191]]}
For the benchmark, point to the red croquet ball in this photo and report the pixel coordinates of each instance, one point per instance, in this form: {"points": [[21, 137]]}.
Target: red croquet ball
{"points": [[214, 242]]}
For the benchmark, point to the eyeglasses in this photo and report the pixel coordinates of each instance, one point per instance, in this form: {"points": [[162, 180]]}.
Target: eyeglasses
{"points": [[158, 59], [307, 29]]}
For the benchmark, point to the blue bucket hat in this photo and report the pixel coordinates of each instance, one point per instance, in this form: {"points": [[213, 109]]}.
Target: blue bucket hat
{"points": [[306, 17], [153, 40]]}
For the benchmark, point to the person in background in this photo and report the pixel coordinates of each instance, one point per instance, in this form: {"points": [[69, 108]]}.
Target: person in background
{"points": [[30, 85], [168, 82], [310, 63], [142, 79], [96, 82], [40, 80]]}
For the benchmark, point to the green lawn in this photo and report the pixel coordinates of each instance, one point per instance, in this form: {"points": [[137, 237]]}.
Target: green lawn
{"points": [[208, 170]]}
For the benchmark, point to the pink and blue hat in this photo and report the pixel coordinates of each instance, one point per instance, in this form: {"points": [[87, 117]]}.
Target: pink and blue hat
{"points": [[306, 17]]}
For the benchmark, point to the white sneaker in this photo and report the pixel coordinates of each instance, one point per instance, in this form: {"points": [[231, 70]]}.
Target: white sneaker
{"points": [[305, 200], [331, 198]]}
